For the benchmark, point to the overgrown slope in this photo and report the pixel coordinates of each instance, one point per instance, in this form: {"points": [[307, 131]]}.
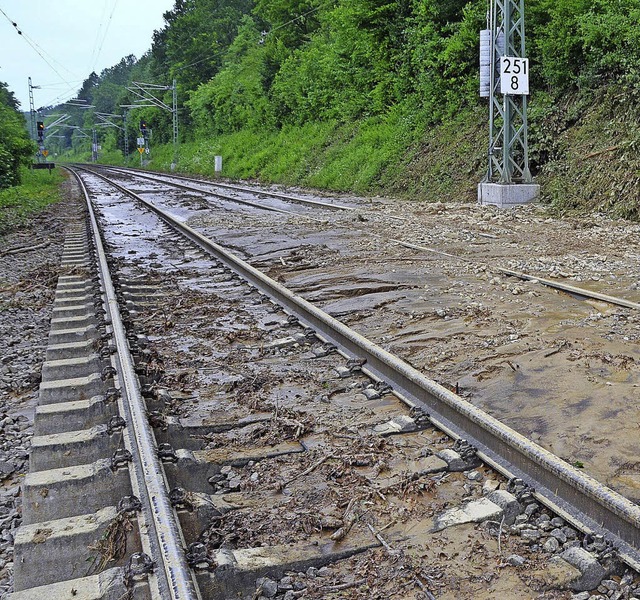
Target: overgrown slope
{"points": [[380, 96]]}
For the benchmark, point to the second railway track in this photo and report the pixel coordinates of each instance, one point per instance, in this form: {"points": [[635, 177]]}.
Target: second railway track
{"points": [[294, 470]]}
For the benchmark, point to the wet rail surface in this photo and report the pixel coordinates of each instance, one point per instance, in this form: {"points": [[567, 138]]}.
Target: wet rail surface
{"points": [[294, 469]]}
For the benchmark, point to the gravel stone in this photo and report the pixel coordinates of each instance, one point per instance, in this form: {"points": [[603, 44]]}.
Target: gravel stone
{"points": [[530, 535], [559, 535], [592, 571], [269, 587], [551, 545]]}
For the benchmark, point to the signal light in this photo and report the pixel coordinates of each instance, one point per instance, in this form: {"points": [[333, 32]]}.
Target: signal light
{"points": [[40, 127], [143, 126]]}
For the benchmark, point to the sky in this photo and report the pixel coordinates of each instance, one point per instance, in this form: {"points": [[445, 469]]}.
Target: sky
{"points": [[74, 37]]}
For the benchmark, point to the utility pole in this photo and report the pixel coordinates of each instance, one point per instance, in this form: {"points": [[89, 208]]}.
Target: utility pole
{"points": [[174, 164], [94, 146], [505, 69], [32, 109], [126, 136]]}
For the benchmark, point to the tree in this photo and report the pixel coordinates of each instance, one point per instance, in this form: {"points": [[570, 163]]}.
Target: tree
{"points": [[15, 145]]}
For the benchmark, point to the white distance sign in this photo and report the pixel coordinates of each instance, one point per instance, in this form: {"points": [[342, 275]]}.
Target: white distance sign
{"points": [[514, 75]]}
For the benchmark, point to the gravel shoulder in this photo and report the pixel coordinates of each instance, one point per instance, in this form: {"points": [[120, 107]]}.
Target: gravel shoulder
{"points": [[29, 265]]}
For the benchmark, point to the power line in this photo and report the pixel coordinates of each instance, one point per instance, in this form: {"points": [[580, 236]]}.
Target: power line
{"points": [[106, 32], [91, 62], [37, 48]]}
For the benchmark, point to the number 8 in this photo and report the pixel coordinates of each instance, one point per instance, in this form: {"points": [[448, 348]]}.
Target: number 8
{"points": [[514, 82]]}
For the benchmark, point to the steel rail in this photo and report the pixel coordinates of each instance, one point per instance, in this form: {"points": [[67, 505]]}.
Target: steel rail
{"points": [[557, 285], [586, 503], [174, 576], [572, 289], [295, 199], [228, 198]]}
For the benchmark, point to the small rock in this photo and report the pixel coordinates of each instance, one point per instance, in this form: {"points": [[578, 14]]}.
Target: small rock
{"points": [[285, 584], [508, 503], [543, 518], [516, 560], [530, 535], [490, 485], [559, 535], [269, 587], [324, 572], [610, 584], [474, 476], [551, 545], [475, 511], [234, 484], [592, 572], [581, 596], [312, 572], [530, 509]]}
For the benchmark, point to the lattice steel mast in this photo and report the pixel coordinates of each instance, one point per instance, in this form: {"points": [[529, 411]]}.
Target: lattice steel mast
{"points": [[508, 142]]}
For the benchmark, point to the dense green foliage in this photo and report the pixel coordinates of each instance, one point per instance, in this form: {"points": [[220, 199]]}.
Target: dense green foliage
{"points": [[361, 94], [15, 147], [37, 190]]}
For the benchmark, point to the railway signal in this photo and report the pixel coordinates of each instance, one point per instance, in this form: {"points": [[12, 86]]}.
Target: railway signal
{"points": [[40, 129]]}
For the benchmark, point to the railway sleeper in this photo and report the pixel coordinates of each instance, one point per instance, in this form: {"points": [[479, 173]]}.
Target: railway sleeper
{"points": [[73, 547], [108, 585], [71, 494], [63, 417], [193, 469]]}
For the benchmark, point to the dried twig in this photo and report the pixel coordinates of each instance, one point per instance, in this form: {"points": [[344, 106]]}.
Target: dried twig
{"points": [[377, 535], [599, 152], [344, 586], [424, 588], [348, 519], [25, 249], [552, 352], [312, 468]]}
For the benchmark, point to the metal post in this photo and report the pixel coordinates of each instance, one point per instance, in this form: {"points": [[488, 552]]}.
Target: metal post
{"points": [[126, 138], [175, 125], [32, 110], [509, 148], [508, 179], [94, 146]]}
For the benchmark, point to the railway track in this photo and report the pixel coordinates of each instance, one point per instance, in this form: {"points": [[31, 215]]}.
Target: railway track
{"points": [[299, 459]]}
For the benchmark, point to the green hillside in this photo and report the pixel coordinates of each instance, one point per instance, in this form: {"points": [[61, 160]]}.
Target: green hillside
{"points": [[375, 96]]}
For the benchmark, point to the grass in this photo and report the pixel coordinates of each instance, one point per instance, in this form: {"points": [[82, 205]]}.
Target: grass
{"points": [[38, 190]]}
